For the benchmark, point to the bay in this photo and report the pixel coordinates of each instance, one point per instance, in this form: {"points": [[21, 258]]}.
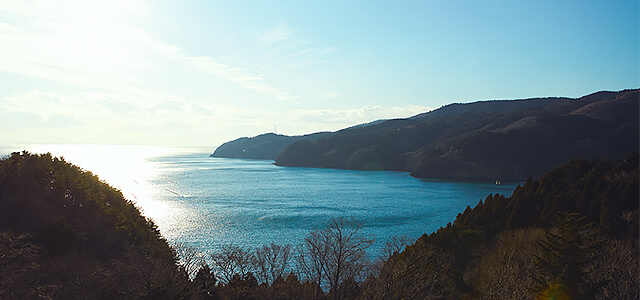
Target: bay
{"points": [[206, 202]]}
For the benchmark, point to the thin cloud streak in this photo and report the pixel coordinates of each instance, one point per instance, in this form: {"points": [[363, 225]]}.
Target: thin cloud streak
{"points": [[357, 116], [106, 55], [170, 118], [86, 54], [236, 75], [281, 43], [277, 34]]}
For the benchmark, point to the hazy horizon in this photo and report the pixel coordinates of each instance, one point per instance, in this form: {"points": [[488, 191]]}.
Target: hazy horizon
{"points": [[202, 73]]}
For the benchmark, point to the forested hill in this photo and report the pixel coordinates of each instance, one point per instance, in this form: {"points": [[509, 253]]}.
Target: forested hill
{"points": [[487, 140], [572, 234], [264, 146], [64, 234]]}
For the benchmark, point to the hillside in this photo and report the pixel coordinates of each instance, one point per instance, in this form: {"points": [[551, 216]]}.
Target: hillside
{"points": [[508, 140], [264, 146], [64, 234], [571, 234]]}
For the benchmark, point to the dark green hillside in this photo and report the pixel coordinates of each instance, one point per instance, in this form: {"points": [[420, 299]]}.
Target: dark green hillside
{"points": [[573, 232], [64, 234], [487, 140]]}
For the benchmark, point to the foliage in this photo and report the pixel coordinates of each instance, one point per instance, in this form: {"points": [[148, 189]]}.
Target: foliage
{"points": [[563, 256], [571, 233], [615, 271], [448, 263], [505, 271], [69, 235], [205, 283]]}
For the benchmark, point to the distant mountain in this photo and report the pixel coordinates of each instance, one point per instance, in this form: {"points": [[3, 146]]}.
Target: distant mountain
{"points": [[264, 146], [486, 140]]}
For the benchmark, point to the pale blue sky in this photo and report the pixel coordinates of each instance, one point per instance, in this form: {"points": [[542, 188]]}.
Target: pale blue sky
{"points": [[204, 72]]}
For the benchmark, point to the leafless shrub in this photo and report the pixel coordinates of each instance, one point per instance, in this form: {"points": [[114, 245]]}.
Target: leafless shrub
{"points": [[616, 271], [395, 245], [232, 260], [504, 272], [271, 261], [332, 255]]}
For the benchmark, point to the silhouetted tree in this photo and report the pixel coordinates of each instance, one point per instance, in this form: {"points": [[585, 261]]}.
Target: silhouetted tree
{"points": [[205, 283], [232, 260], [335, 254], [189, 258], [271, 261]]}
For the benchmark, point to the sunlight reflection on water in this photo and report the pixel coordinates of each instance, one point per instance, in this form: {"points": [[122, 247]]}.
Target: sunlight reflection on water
{"points": [[125, 167], [206, 202]]}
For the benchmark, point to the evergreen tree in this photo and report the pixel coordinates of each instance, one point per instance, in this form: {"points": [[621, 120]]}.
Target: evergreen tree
{"points": [[563, 254]]}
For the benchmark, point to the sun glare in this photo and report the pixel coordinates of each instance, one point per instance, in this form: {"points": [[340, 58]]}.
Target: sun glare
{"points": [[127, 168]]}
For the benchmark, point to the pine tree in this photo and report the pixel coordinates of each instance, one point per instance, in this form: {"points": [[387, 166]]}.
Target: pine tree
{"points": [[563, 254]]}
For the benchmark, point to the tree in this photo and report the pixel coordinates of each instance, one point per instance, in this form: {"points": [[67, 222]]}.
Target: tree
{"points": [[232, 260], [563, 257], [395, 245], [503, 271], [381, 281], [312, 257], [190, 258], [271, 261], [335, 254], [205, 283], [65, 234], [616, 271]]}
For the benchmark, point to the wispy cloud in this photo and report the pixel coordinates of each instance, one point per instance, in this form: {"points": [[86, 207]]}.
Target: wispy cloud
{"points": [[237, 76], [95, 47], [276, 34], [105, 116], [115, 72], [282, 42], [150, 109], [85, 108], [79, 42], [338, 119]]}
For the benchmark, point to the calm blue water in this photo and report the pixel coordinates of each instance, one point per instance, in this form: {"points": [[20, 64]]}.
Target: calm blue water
{"points": [[207, 202]]}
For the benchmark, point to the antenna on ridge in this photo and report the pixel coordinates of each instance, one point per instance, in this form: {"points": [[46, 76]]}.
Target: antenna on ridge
{"points": [[275, 128]]}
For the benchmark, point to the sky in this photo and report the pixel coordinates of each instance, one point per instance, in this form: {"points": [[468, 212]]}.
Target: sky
{"points": [[199, 73]]}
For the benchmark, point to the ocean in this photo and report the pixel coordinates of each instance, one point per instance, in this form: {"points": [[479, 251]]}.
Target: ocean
{"points": [[205, 202]]}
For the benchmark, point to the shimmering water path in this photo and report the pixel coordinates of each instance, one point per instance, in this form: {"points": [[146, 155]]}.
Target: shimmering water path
{"points": [[207, 202]]}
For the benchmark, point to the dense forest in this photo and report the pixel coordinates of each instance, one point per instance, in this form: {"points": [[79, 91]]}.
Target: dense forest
{"points": [[572, 233], [64, 234]]}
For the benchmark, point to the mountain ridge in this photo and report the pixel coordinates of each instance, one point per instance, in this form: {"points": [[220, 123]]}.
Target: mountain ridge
{"points": [[482, 140], [263, 146]]}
